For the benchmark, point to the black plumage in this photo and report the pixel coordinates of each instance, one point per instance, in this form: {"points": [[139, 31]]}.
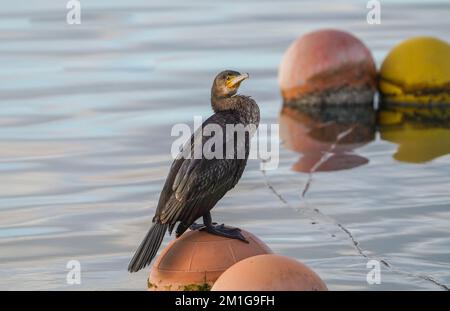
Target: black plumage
{"points": [[194, 185]]}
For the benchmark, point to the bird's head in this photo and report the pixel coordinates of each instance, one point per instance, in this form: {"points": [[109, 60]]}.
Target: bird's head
{"points": [[226, 83]]}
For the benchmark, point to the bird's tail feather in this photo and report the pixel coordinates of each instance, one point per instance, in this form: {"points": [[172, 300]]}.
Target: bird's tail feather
{"points": [[148, 248]]}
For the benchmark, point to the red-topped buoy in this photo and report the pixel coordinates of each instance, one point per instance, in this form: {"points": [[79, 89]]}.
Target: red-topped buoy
{"points": [[327, 67], [196, 259]]}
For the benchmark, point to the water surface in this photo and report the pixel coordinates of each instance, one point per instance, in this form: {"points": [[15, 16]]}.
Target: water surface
{"points": [[85, 123]]}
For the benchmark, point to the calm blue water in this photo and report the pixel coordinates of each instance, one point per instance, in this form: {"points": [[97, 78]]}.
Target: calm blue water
{"points": [[85, 120]]}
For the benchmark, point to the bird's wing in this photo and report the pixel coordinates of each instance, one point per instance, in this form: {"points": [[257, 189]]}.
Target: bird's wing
{"points": [[192, 181], [206, 179]]}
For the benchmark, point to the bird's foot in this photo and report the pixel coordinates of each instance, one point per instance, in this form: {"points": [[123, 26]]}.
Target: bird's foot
{"points": [[228, 232], [198, 227]]}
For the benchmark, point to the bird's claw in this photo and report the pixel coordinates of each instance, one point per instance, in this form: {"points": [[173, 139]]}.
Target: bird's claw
{"points": [[228, 232], [222, 226], [197, 227]]}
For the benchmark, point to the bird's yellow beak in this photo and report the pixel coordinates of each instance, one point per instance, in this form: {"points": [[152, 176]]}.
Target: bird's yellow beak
{"points": [[235, 81]]}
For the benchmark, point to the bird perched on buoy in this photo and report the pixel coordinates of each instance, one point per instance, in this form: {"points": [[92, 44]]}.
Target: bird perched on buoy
{"points": [[195, 184]]}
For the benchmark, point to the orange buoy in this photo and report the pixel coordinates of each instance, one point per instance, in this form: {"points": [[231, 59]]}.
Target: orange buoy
{"points": [[269, 273], [195, 260], [327, 67]]}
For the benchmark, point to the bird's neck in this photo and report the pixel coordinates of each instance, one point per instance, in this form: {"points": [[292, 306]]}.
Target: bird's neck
{"points": [[219, 103]]}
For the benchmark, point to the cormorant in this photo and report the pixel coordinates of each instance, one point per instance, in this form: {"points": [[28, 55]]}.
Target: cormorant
{"points": [[195, 185]]}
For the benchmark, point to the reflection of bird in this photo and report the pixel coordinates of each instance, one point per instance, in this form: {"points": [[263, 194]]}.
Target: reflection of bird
{"points": [[195, 185]]}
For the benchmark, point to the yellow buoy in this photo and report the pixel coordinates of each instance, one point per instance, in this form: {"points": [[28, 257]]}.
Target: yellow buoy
{"points": [[417, 71]]}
